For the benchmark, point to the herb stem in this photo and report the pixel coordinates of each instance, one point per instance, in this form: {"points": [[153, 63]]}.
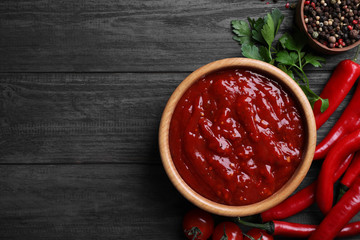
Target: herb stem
{"points": [[307, 80], [270, 52], [300, 72], [300, 62]]}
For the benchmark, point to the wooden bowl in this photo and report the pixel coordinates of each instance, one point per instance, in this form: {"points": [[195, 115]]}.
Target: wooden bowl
{"points": [[313, 43], [245, 210]]}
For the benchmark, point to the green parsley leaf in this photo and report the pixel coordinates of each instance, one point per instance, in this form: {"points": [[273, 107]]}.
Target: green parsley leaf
{"points": [[324, 104], [287, 58], [268, 30], [302, 54], [290, 43], [312, 97], [242, 31], [313, 60], [252, 22], [257, 39], [265, 54], [256, 26], [278, 18], [251, 51]]}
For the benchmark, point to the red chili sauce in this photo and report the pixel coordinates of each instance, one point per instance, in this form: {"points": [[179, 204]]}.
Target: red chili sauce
{"points": [[236, 136]]}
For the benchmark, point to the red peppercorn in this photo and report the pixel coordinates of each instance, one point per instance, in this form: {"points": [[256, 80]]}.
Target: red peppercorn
{"points": [[355, 21], [350, 27], [287, 5], [313, 5], [307, 2], [341, 42], [336, 44]]}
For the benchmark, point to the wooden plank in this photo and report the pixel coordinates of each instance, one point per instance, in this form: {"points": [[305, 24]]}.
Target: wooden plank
{"points": [[93, 118], [89, 202], [124, 36], [107, 201], [82, 117]]}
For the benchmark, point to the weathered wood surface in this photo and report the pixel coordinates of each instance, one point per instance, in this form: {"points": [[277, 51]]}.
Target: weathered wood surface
{"points": [[82, 88], [123, 201], [88, 118], [123, 36], [72, 118]]}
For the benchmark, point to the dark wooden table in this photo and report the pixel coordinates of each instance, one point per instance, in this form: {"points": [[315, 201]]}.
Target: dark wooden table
{"points": [[82, 88]]}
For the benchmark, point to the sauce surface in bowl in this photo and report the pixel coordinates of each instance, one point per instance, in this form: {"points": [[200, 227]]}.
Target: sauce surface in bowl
{"points": [[236, 136]]}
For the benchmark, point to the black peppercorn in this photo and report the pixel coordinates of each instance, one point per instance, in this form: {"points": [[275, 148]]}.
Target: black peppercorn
{"points": [[354, 33]]}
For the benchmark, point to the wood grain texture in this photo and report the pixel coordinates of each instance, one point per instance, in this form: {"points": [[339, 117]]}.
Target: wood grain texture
{"points": [[73, 118], [123, 36], [89, 202], [90, 118]]}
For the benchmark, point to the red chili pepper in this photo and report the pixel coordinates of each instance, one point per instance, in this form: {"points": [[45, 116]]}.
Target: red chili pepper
{"points": [[340, 214], [345, 146], [298, 230], [298, 201], [292, 205], [352, 172], [350, 229], [348, 122], [336, 89]]}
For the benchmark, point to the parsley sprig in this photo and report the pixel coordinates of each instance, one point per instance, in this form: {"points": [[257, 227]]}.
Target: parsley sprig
{"points": [[258, 41]]}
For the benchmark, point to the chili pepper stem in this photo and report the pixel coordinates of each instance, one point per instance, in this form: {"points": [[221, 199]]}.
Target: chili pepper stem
{"points": [[253, 218], [268, 226]]}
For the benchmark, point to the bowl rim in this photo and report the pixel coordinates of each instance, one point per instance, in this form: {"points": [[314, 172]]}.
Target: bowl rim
{"points": [[289, 187], [313, 42]]}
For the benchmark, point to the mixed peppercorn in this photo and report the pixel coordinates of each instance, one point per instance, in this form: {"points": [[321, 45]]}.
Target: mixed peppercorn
{"points": [[334, 23]]}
